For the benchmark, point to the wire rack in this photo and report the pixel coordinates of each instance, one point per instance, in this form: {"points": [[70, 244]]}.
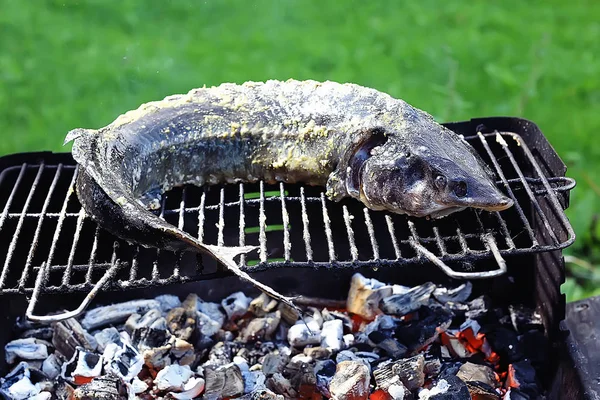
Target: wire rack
{"points": [[49, 245]]}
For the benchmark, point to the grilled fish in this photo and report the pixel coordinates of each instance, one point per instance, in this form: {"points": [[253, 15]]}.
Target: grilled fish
{"points": [[355, 141]]}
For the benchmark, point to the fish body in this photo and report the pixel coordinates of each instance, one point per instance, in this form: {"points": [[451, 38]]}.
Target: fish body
{"points": [[356, 141]]}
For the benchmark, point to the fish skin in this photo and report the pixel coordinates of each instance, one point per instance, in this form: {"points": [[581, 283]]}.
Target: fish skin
{"points": [[356, 141]]}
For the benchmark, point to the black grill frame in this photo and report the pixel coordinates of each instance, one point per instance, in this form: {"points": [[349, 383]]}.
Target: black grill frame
{"points": [[533, 278]]}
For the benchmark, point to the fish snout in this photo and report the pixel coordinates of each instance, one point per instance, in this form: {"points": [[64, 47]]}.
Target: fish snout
{"points": [[500, 204]]}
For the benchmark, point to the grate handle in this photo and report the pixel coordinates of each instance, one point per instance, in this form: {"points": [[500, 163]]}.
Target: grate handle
{"points": [[492, 246], [39, 282]]}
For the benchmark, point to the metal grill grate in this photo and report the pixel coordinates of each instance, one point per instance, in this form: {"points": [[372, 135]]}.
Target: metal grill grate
{"points": [[43, 228]]}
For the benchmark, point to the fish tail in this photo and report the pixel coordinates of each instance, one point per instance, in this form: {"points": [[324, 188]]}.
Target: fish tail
{"points": [[226, 256]]}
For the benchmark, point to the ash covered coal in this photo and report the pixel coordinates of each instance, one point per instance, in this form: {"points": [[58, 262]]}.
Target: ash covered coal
{"points": [[388, 342]]}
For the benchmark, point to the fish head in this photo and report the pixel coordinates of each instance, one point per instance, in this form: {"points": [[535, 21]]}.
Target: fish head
{"points": [[423, 176]]}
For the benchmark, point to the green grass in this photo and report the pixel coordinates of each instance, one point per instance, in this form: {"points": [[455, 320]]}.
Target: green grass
{"points": [[67, 64]]}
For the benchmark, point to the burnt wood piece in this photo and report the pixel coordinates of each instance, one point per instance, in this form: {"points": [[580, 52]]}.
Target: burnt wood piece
{"points": [[583, 344]]}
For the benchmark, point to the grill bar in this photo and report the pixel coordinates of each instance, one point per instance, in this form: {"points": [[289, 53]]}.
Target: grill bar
{"points": [[278, 214]]}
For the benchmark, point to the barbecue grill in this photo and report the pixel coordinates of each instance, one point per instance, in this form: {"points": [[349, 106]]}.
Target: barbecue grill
{"points": [[307, 244]]}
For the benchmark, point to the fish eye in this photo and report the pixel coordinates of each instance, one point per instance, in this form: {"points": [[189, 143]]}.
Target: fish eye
{"points": [[440, 181], [460, 189]]}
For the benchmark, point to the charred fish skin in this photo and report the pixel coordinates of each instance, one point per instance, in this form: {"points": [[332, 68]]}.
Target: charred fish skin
{"points": [[356, 141]]}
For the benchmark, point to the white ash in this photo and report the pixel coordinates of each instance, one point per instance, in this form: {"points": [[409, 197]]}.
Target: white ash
{"points": [[26, 349], [138, 385], [173, 377], [351, 381], [115, 313], [236, 305], [168, 302], [332, 335], [253, 381], [191, 390], [303, 334], [440, 387], [88, 365]]}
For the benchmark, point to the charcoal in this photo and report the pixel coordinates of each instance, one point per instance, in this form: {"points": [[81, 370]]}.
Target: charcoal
{"points": [[449, 388], [478, 308], [274, 363], [521, 375], [44, 333], [207, 325], [351, 381], [138, 385], [329, 315], [136, 321], [106, 336], [332, 335], [17, 384], [241, 362], [365, 295], [459, 294], [423, 331], [21, 389], [505, 343], [124, 361], [392, 347], [235, 305], [288, 314], [261, 328], [253, 381], [535, 348], [449, 368], [183, 352], [262, 394], [324, 372], [262, 305], [408, 370], [402, 304], [454, 346], [280, 385], [303, 334], [299, 371], [221, 354], [317, 353], [70, 334], [52, 366], [26, 349], [482, 391], [383, 325], [168, 302], [223, 381], [154, 346], [432, 367], [107, 387], [173, 377], [116, 313], [470, 372], [349, 340], [181, 322], [525, 319], [89, 365]]}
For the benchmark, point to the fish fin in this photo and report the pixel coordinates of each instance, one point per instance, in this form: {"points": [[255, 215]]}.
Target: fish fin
{"points": [[76, 133], [226, 256]]}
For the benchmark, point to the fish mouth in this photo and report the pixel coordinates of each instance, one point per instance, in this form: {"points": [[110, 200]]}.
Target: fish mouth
{"points": [[503, 204]]}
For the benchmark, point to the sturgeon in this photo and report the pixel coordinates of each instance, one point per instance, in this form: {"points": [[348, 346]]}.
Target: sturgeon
{"points": [[356, 141]]}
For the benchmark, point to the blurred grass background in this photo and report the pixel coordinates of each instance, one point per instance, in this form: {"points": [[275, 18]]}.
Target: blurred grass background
{"points": [[67, 64]]}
